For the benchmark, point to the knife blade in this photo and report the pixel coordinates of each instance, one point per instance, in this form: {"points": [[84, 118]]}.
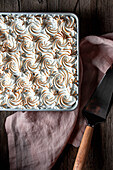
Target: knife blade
{"points": [[95, 111]]}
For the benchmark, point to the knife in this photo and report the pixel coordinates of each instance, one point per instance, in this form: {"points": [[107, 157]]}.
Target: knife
{"points": [[95, 111]]}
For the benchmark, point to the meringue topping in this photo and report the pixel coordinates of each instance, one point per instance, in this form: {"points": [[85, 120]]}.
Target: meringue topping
{"points": [[38, 61]]}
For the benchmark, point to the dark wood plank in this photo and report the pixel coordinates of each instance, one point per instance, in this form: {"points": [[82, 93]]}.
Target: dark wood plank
{"points": [[4, 157], [105, 15], [107, 141], [88, 18], [68, 5], [53, 6], [33, 5], [8, 5]]}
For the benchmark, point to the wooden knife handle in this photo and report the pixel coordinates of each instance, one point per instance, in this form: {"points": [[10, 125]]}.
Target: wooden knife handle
{"points": [[83, 149]]}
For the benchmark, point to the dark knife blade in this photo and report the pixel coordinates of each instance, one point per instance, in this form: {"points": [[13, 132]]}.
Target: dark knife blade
{"points": [[97, 108]]}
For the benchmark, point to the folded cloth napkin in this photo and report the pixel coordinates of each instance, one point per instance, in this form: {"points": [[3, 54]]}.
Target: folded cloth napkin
{"points": [[36, 139]]}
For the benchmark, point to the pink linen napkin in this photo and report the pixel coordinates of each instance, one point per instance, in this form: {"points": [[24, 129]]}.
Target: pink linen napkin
{"points": [[36, 139]]}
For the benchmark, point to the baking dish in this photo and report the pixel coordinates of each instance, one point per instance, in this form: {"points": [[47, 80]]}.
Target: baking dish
{"points": [[50, 32]]}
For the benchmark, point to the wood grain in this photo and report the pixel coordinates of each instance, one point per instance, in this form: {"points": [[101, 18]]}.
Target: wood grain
{"points": [[96, 17], [33, 5], [8, 5]]}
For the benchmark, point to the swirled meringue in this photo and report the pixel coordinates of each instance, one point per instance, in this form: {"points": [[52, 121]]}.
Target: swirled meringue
{"points": [[48, 99], [38, 61], [51, 26], [65, 100]]}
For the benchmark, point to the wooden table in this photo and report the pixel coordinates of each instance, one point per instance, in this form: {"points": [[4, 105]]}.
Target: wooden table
{"points": [[96, 17]]}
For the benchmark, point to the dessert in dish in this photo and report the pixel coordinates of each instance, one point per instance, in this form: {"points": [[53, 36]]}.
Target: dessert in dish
{"points": [[38, 61]]}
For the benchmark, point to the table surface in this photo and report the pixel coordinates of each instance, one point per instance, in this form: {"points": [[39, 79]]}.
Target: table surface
{"points": [[96, 18]]}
